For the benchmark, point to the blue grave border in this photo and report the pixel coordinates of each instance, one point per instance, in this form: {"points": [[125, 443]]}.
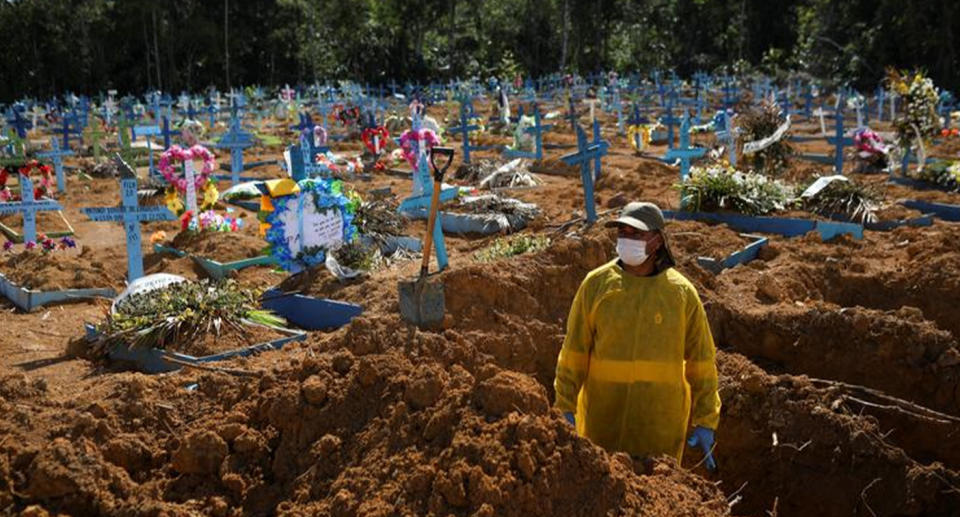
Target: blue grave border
{"points": [[742, 256], [786, 227], [154, 360], [30, 299]]}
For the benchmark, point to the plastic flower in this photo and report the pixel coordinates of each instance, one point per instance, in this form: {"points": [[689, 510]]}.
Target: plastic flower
{"points": [[68, 242], [30, 245], [158, 236], [7, 246]]}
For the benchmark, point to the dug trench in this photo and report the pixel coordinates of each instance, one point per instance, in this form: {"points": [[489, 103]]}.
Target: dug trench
{"points": [[786, 442]]}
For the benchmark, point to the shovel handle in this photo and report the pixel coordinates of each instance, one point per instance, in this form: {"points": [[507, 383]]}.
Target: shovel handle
{"points": [[438, 172]]}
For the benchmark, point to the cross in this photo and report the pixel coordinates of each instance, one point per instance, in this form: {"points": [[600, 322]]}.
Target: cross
{"points": [[66, 130], [422, 196], [669, 120], [880, 95], [146, 132], [167, 133], [307, 166], [585, 153], [108, 108], [685, 152], [808, 102], [730, 92], [599, 142], [839, 141], [572, 114], [56, 155], [464, 129], [306, 122], [131, 215], [637, 120], [729, 136], [236, 140], [537, 132], [785, 103], [212, 112], [17, 145], [28, 206]]}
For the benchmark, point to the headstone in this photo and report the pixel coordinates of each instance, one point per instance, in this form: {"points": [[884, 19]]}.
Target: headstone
{"points": [[464, 129], [131, 215]]}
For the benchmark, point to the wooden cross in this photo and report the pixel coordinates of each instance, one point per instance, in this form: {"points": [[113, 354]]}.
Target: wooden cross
{"points": [[586, 153], [56, 156], [684, 152], [131, 215], [28, 206]]}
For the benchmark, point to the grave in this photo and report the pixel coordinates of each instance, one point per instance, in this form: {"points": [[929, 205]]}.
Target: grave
{"points": [[131, 215]]}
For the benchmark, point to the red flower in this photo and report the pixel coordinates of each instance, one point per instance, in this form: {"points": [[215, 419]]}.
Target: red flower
{"points": [[185, 220]]}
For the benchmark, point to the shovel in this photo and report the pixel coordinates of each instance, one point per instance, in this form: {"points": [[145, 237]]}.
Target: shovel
{"points": [[422, 302]]}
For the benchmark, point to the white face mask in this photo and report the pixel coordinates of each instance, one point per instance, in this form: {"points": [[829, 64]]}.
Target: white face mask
{"points": [[632, 252]]}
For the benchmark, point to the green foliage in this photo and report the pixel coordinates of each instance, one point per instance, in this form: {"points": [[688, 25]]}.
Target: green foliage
{"points": [[89, 46], [760, 122], [181, 313], [512, 246], [856, 201], [723, 188]]}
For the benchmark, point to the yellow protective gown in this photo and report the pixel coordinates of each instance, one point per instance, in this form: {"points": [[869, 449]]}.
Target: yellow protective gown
{"points": [[638, 362]]}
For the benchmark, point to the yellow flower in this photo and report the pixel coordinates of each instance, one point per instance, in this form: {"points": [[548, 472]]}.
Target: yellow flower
{"points": [[159, 236], [174, 203], [210, 196]]}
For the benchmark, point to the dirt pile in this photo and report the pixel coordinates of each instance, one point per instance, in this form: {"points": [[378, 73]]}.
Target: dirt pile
{"points": [[333, 434], [63, 269], [220, 246]]}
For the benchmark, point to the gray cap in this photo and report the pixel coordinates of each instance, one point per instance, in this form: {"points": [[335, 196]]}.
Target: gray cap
{"points": [[640, 215]]}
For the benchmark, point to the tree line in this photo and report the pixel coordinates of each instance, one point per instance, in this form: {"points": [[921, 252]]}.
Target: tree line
{"points": [[88, 46]]}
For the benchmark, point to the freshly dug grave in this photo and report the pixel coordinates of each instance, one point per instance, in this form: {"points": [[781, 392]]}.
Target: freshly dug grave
{"points": [[328, 435], [220, 246], [48, 221], [64, 269], [795, 448]]}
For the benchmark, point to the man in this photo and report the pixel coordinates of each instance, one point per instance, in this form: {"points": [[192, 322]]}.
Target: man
{"points": [[637, 365]]}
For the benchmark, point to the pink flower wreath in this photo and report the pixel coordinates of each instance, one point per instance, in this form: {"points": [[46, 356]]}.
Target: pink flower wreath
{"points": [[168, 168]]}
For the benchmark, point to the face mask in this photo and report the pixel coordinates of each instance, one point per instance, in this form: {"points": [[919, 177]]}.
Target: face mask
{"points": [[632, 252]]}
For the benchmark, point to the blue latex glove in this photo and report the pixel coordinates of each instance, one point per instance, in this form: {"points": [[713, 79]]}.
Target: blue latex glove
{"points": [[570, 418], [702, 438]]}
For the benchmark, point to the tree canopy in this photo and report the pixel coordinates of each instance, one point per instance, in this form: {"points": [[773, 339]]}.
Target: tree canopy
{"points": [[87, 46]]}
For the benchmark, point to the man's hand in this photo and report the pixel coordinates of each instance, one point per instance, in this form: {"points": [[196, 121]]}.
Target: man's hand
{"points": [[570, 418], [702, 438]]}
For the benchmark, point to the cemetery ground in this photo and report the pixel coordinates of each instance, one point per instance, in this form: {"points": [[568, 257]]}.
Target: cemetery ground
{"points": [[839, 376]]}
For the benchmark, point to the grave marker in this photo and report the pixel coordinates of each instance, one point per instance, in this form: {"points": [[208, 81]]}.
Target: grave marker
{"points": [[56, 156], [685, 152], [585, 154], [236, 140], [131, 215], [28, 206]]}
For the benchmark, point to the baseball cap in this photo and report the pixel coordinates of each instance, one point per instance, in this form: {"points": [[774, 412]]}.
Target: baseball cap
{"points": [[640, 215]]}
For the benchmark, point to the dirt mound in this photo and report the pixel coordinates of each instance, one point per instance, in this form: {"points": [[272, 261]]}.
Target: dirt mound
{"points": [[794, 447], [220, 246], [64, 269], [331, 435]]}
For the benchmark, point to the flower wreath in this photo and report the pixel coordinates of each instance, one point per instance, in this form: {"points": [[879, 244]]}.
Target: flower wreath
{"points": [[204, 184], [44, 188], [869, 142], [368, 138], [327, 195], [410, 136]]}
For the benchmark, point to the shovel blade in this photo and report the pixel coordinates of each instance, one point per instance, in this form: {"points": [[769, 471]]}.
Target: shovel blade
{"points": [[422, 303]]}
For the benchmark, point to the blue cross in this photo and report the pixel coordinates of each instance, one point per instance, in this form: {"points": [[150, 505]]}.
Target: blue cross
{"points": [[880, 95], [669, 120], [423, 177], [302, 160], [167, 133], [464, 129], [131, 215], [839, 141], [212, 112], [236, 140], [67, 129], [146, 132], [28, 206], [20, 124], [306, 122], [808, 102], [685, 152], [729, 136], [572, 114], [585, 153], [56, 155], [537, 132]]}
